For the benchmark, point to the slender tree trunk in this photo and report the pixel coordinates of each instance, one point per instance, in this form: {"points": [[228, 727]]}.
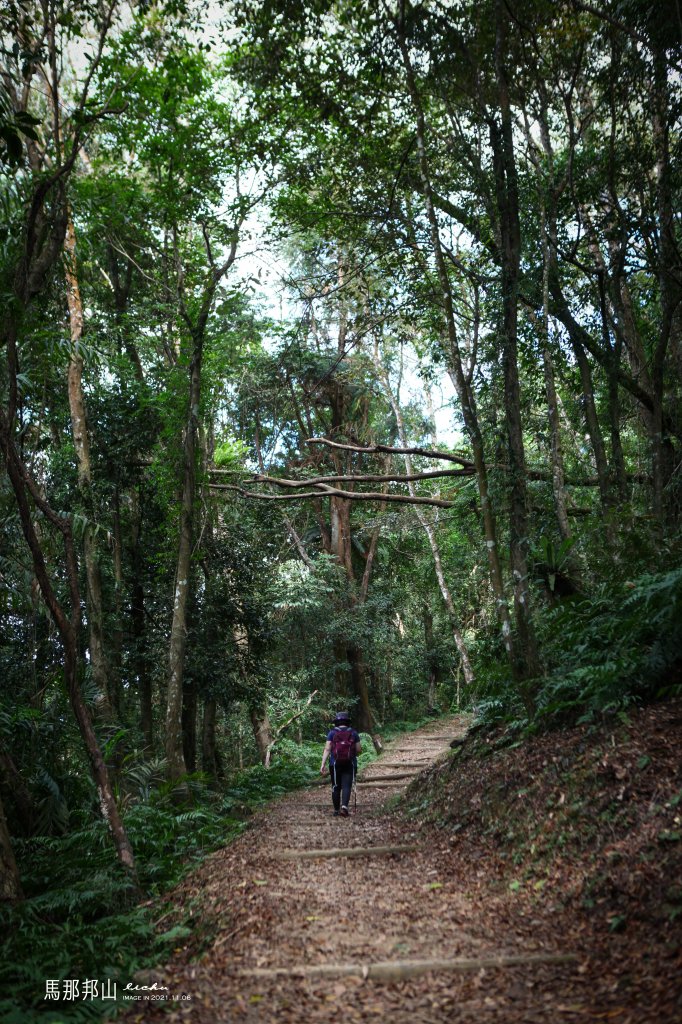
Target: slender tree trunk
{"points": [[341, 548], [14, 783], [593, 426], [629, 335], [101, 669], [255, 700], [209, 760], [369, 561], [617, 456], [240, 747], [556, 448], [117, 631], [10, 882], [178, 641], [504, 164], [619, 475], [459, 378], [262, 731], [138, 629], [68, 629], [431, 535], [364, 719], [670, 286], [189, 724], [99, 769], [431, 659]]}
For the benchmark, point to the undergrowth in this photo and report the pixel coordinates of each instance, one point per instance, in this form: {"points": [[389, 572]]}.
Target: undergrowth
{"points": [[82, 919], [606, 651]]}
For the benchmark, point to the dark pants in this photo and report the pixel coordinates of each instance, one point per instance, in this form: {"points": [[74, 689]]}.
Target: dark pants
{"points": [[342, 776]]}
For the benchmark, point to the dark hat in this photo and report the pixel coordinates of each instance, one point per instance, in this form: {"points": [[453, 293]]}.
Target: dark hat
{"points": [[341, 716]]}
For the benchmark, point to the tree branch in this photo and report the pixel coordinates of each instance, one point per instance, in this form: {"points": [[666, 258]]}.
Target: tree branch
{"points": [[352, 478], [280, 729], [334, 492], [377, 449]]}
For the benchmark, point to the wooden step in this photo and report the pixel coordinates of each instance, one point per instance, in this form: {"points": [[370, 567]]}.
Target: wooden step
{"points": [[394, 784], [402, 764], [345, 851], [397, 970], [385, 778]]}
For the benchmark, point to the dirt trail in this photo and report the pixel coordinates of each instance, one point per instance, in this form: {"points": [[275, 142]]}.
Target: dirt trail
{"points": [[260, 914]]}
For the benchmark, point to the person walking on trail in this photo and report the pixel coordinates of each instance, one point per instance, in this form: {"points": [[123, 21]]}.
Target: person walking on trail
{"points": [[342, 748]]}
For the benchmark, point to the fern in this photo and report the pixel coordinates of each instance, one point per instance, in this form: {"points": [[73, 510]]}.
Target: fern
{"points": [[79, 919]]}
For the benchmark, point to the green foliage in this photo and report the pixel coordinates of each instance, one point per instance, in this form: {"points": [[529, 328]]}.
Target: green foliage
{"points": [[87, 924], [230, 454], [307, 107], [603, 654], [608, 654]]}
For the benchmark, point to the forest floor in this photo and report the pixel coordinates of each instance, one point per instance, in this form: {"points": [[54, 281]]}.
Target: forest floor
{"points": [[567, 846]]}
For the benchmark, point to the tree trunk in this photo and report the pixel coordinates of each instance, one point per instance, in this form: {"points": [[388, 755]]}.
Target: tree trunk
{"points": [[10, 882], [364, 719], [431, 659], [101, 670], [619, 475], [15, 785], [99, 769], [456, 370], [68, 629], [209, 760], [189, 724], [431, 535], [625, 324], [178, 641], [341, 548], [138, 629], [594, 428], [262, 731], [666, 502], [117, 631], [506, 188], [556, 448]]}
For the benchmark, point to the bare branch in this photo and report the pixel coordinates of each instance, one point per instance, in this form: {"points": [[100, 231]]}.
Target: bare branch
{"points": [[377, 478], [298, 543], [387, 449], [280, 729], [207, 243], [334, 492], [285, 725]]}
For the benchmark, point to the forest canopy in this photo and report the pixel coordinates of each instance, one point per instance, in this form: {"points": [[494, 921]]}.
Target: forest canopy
{"points": [[342, 354]]}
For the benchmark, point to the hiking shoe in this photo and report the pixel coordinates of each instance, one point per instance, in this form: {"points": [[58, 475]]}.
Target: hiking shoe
{"points": [[344, 812], [336, 814]]}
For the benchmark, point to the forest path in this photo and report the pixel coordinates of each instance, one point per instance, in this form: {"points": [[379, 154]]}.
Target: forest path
{"points": [[263, 909]]}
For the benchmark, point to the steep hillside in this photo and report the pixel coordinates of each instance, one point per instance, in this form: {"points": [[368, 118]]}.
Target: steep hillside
{"points": [[578, 835]]}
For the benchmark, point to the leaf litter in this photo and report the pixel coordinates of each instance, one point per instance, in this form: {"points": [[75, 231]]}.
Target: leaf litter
{"points": [[537, 849]]}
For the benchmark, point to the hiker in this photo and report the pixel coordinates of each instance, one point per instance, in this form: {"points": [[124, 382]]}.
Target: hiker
{"points": [[342, 748]]}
